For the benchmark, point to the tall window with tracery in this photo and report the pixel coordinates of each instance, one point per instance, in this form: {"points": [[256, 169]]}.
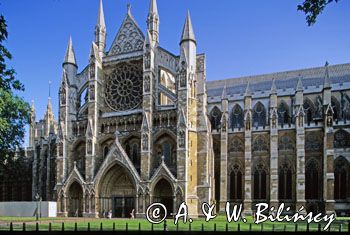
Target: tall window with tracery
{"points": [[236, 183], [260, 182], [309, 111], [285, 177], [313, 185], [283, 115], [259, 115], [215, 118], [237, 120], [341, 178]]}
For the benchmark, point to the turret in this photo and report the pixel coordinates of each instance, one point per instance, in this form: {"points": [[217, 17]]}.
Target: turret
{"points": [[153, 21], [70, 63], [100, 31]]}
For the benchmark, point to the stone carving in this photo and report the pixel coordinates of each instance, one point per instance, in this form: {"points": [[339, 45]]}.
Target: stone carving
{"points": [[89, 147], [147, 60], [248, 122], [129, 38], [92, 92], [92, 71], [182, 139], [145, 142], [63, 94], [224, 125], [124, 87], [183, 74], [147, 84]]}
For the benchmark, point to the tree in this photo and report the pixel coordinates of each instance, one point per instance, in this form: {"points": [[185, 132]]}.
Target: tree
{"points": [[14, 111], [313, 8]]}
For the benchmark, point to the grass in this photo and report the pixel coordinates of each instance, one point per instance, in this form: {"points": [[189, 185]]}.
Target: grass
{"points": [[218, 224]]}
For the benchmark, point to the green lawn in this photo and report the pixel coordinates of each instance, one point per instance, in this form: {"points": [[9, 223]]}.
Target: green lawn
{"points": [[196, 225]]}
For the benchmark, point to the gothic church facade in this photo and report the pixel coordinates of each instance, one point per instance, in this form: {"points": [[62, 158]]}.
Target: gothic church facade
{"points": [[139, 124]]}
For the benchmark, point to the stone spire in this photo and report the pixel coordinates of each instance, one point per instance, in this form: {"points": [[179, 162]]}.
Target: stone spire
{"points": [[153, 20], [69, 58], [101, 17], [327, 80], [248, 92], [273, 87], [187, 32], [100, 31], [300, 86]]}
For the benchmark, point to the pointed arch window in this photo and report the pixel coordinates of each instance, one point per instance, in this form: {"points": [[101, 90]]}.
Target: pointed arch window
{"points": [[285, 184], [313, 181], [259, 115], [283, 114], [336, 109], [236, 183], [237, 120], [341, 178], [260, 182], [341, 139], [215, 118], [309, 111]]}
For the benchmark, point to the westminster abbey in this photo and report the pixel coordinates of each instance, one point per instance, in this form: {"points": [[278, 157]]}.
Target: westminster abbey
{"points": [[139, 124]]}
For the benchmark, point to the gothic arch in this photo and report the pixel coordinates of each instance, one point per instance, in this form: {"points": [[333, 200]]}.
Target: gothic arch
{"points": [[236, 186], [259, 115], [313, 179], [215, 118], [341, 178], [163, 192], [260, 144], [336, 109], [75, 199], [237, 118], [309, 109], [341, 139], [165, 145], [283, 114], [286, 143], [260, 173]]}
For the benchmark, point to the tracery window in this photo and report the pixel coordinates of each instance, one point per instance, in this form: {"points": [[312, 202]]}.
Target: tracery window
{"points": [[313, 179], [336, 109], [260, 144], [286, 143], [237, 120], [260, 182], [283, 114], [285, 183], [237, 145], [133, 150], [124, 87], [215, 118], [79, 157], [236, 183], [314, 142], [341, 139], [165, 147], [309, 111], [259, 115], [341, 181]]}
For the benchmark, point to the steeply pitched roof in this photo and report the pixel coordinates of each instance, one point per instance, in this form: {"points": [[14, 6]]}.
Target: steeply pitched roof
{"points": [[312, 77], [187, 32]]}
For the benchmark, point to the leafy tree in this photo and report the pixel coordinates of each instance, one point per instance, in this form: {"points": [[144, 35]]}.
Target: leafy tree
{"points": [[313, 8], [14, 111]]}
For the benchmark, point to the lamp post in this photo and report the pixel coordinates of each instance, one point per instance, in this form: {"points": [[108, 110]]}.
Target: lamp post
{"points": [[37, 197]]}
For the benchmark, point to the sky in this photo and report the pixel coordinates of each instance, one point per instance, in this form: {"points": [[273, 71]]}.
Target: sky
{"points": [[239, 37]]}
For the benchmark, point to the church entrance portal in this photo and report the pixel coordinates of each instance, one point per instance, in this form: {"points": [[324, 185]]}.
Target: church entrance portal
{"points": [[163, 193], [117, 193]]}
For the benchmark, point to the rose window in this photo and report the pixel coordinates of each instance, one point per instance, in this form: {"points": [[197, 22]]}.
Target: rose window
{"points": [[124, 87]]}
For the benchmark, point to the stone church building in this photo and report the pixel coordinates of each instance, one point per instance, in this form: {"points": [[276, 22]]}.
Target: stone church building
{"points": [[139, 124]]}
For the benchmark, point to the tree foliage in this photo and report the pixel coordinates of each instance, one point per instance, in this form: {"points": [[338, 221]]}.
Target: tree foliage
{"points": [[14, 111], [313, 8]]}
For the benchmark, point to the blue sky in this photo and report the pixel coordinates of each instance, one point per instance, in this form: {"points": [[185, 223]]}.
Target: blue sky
{"points": [[239, 37]]}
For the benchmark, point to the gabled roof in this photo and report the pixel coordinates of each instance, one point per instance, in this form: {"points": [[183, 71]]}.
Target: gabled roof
{"points": [[129, 37]]}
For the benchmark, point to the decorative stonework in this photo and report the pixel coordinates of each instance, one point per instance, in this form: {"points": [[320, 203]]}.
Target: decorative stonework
{"points": [[124, 87]]}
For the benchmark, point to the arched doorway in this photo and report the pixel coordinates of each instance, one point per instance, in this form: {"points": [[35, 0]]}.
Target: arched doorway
{"points": [[117, 193], [75, 200], [163, 193]]}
